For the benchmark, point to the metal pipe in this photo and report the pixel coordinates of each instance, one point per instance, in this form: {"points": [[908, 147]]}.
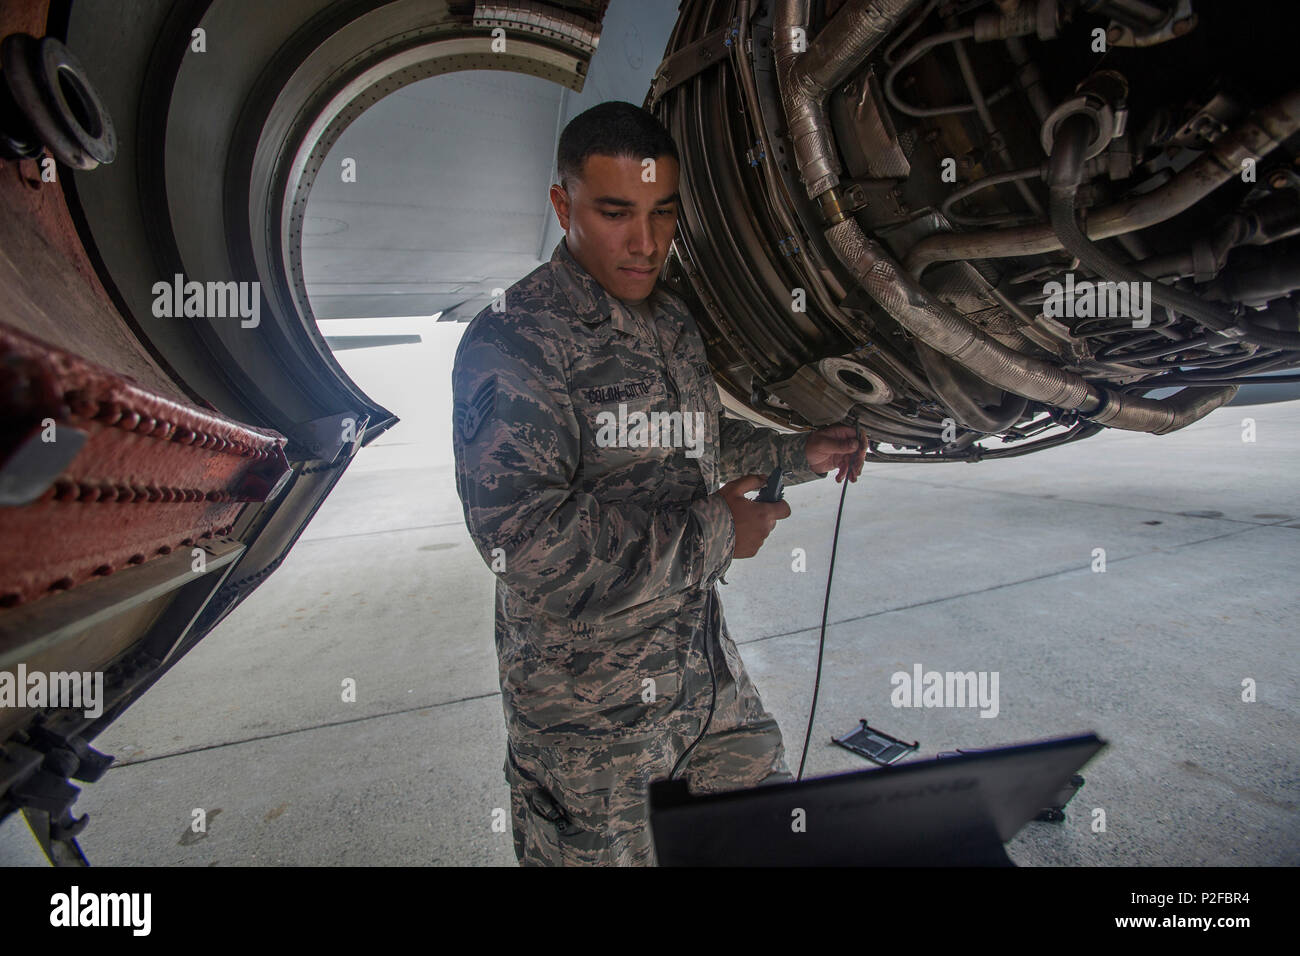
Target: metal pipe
{"points": [[1255, 137], [986, 120], [910, 57], [947, 331], [958, 387], [984, 182], [1066, 173], [852, 33], [1029, 78], [902, 37], [938, 325]]}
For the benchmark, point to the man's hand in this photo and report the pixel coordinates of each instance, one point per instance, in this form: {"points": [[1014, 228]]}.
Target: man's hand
{"points": [[754, 520], [835, 446]]}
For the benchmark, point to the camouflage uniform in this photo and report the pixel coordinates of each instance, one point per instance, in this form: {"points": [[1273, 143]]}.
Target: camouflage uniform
{"points": [[606, 557]]}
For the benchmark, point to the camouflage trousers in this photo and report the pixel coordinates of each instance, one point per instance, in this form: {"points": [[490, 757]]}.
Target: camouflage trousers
{"points": [[589, 805]]}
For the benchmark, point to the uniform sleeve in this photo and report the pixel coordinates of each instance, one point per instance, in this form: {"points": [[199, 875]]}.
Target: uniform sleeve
{"points": [[518, 446], [749, 449]]}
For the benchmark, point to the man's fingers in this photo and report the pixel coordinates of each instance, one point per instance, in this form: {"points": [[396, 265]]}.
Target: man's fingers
{"points": [[773, 511], [862, 454], [743, 484], [837, 438]]}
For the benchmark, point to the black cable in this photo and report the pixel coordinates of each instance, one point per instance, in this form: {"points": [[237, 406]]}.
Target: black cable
{"points": [[821, 641], [821, 648], [713, 699]]}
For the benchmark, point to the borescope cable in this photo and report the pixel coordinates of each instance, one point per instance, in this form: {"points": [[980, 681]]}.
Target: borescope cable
{"points": [[713, 682], [821, 648], [821, 641]]}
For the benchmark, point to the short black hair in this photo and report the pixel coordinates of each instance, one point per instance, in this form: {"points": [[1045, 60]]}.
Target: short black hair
{"points": [[614, 128]]}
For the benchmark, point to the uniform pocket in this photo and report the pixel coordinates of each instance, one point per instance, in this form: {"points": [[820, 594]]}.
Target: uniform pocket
{"points": [[569, 800], [527, 784]]}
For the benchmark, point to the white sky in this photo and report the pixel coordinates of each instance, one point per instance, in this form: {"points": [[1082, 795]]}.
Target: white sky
{"points": [[412, 381]]}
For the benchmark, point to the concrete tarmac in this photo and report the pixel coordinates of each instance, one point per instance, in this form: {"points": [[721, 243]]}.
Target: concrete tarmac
{"points": [[992, 567]]}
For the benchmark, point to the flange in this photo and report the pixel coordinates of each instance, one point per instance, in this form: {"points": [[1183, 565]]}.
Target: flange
{"points": [[53, 93], [856, 380]]}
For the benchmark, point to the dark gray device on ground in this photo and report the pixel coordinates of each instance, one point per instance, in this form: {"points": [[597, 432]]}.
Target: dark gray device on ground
{"points": [[957, 811]]}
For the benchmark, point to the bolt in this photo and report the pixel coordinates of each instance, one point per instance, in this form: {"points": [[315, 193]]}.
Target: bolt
{"points": [[1114, 34], [1279, 179]]}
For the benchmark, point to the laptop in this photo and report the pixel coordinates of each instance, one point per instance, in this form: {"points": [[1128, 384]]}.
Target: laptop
{"points": [[950, 811]]}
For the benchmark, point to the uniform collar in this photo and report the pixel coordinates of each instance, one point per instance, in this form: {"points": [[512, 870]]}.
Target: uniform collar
{"points": [[594, 305]]}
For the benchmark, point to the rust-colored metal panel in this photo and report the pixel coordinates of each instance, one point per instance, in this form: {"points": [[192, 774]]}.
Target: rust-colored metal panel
{"points": [[136, 476], [24, 16], [50, 287]]}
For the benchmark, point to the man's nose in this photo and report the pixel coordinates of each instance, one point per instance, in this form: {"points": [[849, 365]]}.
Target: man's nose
{"points": [[642, 240]]}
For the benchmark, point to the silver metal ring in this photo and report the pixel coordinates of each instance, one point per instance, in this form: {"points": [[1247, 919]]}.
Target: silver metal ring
{"points": [[56, 96], [1102, 118], [840, 372]]}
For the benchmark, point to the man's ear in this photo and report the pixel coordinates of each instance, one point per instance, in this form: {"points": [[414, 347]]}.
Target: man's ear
{"points": [[560, 200]]}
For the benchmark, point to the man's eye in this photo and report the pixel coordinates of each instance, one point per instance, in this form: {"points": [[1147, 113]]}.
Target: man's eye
{"points": [[612, 215], [667, 212]]}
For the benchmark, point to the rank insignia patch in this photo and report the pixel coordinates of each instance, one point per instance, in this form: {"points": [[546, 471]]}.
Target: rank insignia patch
{"points": [[470, 415]]}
